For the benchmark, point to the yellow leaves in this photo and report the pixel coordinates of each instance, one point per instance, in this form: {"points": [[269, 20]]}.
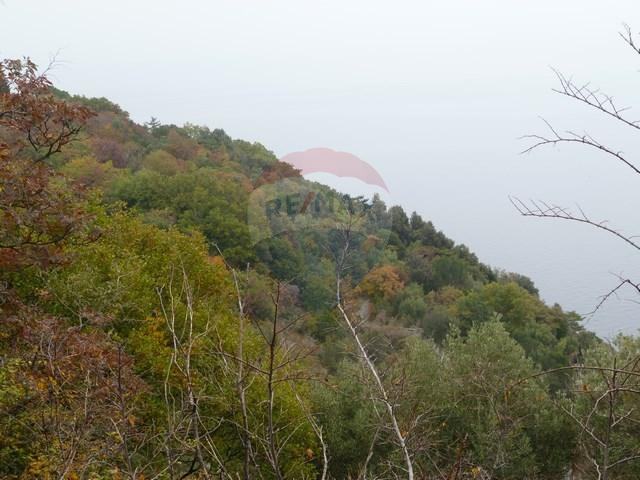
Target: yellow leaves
{"points": [[45, 384], [115, 474], [382, 283], [132, 420], [475, 472], [162, 162], [372, 241], [43, 294], [150, 342], [309, 454], [41, 385], [4, 150], [216, 260], [39, 467], [155, 330]]}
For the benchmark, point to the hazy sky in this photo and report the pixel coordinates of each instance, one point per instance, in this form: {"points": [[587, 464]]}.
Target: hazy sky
{"points": [[433, 94]]}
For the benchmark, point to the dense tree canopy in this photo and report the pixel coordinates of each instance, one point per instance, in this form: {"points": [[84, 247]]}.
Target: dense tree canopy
{"points": [[144, 333]]}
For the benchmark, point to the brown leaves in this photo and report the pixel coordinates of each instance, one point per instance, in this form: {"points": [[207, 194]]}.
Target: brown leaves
{"points": [[382, 283], [38, 212], [79, 387], [30, 111]]}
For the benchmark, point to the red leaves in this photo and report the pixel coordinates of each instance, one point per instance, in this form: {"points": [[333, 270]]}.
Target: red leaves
{"points": [[38, 212], [34, 116]]}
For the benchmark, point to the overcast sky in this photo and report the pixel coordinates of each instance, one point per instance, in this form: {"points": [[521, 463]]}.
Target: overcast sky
{"points": [[434, 95]]}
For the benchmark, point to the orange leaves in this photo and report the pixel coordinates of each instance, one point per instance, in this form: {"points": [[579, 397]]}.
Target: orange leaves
{"points": [[217, 260], [382, 283]]}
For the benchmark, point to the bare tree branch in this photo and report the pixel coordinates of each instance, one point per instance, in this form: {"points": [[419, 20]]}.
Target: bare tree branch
{"points": [[571, 137], [627, 36], [541, 209]]}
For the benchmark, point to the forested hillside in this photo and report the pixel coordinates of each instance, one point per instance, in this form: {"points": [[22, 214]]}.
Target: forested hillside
{"points": [[145, 333]]}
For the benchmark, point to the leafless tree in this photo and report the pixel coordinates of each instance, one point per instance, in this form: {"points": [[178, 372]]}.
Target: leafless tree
{"points": [[187, 432], [241, 384], [605, 104], [282, 365], [606, 403]]}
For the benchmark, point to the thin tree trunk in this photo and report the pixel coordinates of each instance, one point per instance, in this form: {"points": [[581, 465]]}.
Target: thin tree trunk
{"points": [[367, 359]]}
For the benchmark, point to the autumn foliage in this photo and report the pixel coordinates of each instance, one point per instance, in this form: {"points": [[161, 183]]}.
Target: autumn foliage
{"points": [[37, 212], [144, 336]]}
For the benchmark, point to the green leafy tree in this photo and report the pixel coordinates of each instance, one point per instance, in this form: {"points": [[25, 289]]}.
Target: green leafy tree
{"points": [[162, 162], [500, 422]]}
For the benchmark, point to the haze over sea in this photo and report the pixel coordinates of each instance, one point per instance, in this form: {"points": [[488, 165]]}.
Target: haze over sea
{"points": [[434, 95]]}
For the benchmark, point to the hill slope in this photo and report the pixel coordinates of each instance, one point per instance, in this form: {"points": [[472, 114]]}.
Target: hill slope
{"points": [[151, 329]]}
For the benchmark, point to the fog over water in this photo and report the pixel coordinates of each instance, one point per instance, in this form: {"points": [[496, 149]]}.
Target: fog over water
{"points": [[434, 95]]}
